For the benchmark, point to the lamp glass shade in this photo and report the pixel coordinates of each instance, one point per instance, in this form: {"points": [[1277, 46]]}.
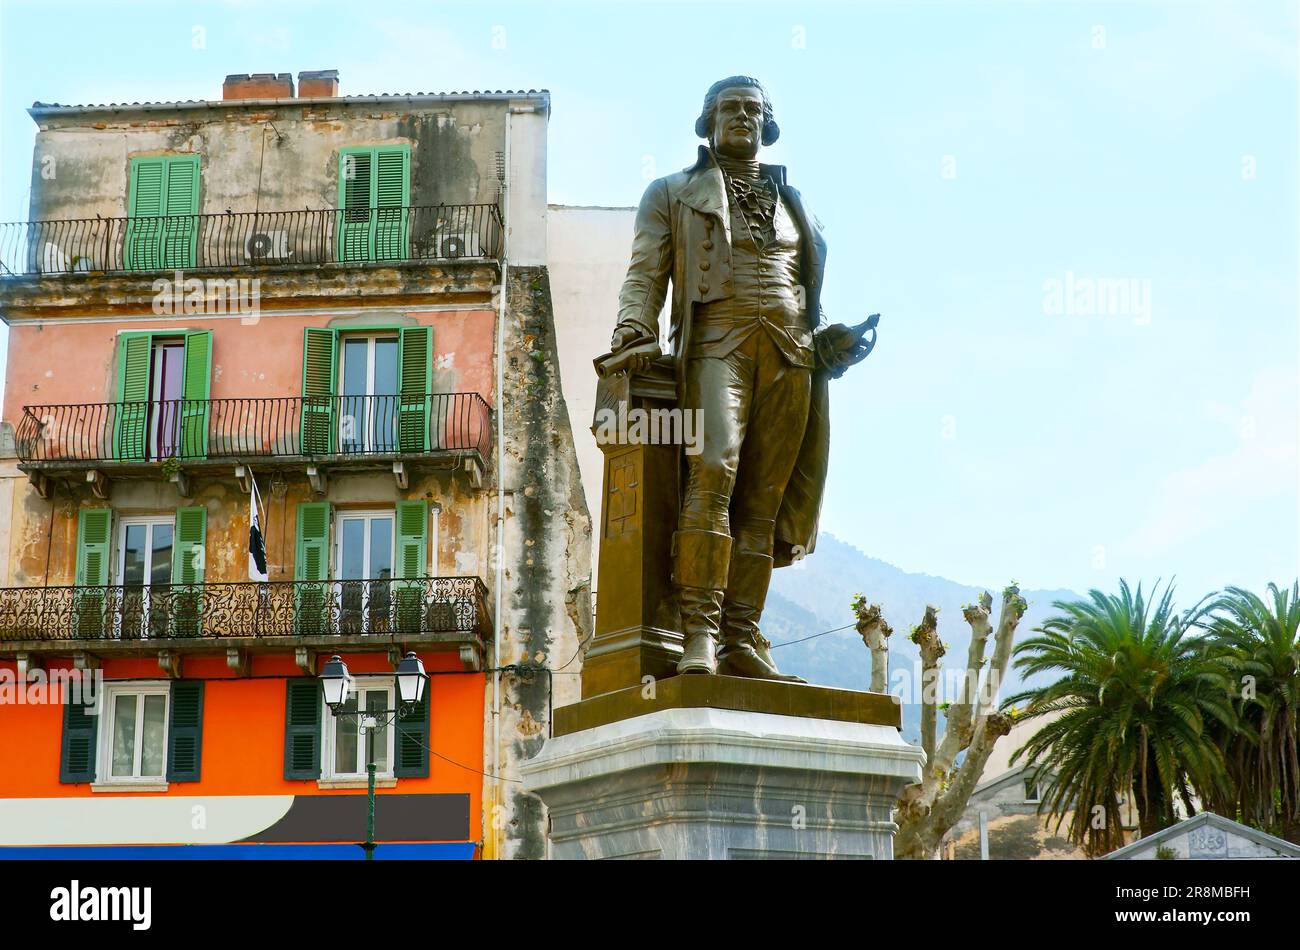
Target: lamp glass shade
{"points": [[411, 679], [336, 682]]}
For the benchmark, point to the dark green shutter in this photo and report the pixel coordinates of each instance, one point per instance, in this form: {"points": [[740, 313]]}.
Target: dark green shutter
{"points": [[412, 560], [94, 545], [319, 366], [77, 750], [188, 555], [131, 424], [311, 567], [163, 204], [185, 731], [415, 368], [302, 728], [392, 195], [196, 391], [413, 741]]}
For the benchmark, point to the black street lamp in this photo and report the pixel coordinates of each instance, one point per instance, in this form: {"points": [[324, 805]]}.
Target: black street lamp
{"points": [[336, 682]]}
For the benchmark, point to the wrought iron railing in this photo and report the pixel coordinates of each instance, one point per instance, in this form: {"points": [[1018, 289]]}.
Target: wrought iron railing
{"points": [[381, 607], [279, 426], [250, 239]]}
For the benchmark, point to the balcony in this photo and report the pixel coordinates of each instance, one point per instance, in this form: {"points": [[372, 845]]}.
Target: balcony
{"points": [[182, 435], [430, 613], [266, 239]]}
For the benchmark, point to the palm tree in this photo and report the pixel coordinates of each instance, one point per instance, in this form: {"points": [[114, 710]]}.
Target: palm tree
{"points": [[1261, 642], [1131, 712]]}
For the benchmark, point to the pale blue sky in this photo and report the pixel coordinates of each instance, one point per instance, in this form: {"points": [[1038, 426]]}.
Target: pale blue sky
{"points": [[961, 156]]}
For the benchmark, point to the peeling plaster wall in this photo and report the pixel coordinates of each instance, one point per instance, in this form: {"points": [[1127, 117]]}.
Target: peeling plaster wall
{"points": [[81, 163], [546, 613]]}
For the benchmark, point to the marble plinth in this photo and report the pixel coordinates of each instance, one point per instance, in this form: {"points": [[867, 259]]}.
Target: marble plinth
{"points": [[709, 783]]}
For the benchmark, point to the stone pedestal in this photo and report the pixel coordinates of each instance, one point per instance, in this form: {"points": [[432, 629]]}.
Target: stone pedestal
{"points": [[698, 781]]}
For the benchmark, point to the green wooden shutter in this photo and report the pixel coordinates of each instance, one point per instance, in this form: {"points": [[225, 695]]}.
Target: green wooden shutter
{"points": [[302, 728], [392, 195], [319, 366], [94, 544], [412, 758], [412, 558], [143, 248], [131, 423], [415, 369], [188, 555], [355, 240], [163, 205], [412, 538], [77, 750], [185, 731], [181, 205], [196, 390], [311, 567]]}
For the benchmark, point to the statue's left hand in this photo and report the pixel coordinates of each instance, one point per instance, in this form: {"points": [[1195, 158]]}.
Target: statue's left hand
{"points": [[839, 346]]}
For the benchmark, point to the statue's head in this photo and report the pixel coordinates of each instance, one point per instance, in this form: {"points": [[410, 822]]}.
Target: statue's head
{"points": [[737, 117]]}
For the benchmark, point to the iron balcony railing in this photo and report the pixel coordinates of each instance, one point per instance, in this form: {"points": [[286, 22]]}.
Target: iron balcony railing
{"points": [[250, 239], [383, 607], [278, 426]]}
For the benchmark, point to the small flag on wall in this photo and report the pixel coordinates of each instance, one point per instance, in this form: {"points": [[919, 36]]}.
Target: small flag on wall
{"points": [[256, 545]]}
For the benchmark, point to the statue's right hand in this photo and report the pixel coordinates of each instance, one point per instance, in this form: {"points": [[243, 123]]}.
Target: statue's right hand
{"points": [[625, 336]]}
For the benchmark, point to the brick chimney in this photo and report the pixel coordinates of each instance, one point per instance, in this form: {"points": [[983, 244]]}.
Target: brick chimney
{"points": [[258, 86], [318, 84]]}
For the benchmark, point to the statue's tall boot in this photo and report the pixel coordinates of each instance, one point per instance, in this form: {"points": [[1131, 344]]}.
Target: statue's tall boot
{"points": [[745, 651], [700, 561]]}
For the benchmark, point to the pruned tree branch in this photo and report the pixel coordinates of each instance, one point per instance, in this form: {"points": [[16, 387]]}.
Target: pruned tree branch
{"points": [[928, 809], [875, 632]]}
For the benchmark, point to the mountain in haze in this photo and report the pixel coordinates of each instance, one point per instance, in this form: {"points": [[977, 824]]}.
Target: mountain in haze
{"points": [[815, 596]]}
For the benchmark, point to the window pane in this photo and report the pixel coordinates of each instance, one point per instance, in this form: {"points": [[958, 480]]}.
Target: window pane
{"points": [[354, 366], [386, 367], [124, 735], [383, 418], [152, 753], [133, 555], [377, 702], [160, 567], [352, 564], [345, 739], [381, 548]]}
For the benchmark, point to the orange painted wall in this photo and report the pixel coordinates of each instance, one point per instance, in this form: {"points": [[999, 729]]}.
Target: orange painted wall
{"points": [[243, 732], [76, 362]]}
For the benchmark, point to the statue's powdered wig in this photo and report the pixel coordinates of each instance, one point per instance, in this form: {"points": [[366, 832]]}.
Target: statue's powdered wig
{"points": [[704, 124]]}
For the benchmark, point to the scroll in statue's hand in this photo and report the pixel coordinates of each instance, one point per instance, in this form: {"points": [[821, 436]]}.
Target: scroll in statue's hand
{"points": [[839, 346], [631, 349]]}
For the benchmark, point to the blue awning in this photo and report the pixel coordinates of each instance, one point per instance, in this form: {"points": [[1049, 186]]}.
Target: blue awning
{"points": [[418, 851]]}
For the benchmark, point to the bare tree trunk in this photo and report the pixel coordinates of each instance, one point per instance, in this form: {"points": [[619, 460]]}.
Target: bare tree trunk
{"points": [[928, 810]]}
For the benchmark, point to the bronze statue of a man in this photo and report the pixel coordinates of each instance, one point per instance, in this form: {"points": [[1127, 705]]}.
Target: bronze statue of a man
{"points": [[745, 260]]}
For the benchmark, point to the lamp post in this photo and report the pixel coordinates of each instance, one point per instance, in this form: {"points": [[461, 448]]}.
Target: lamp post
{"points": [[336, 682]]}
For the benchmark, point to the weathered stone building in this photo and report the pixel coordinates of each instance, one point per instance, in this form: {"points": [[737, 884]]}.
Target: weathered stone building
{"points": [[345, 301]]}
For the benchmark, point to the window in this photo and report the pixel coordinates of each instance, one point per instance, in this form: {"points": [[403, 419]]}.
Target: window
{"points": [[163, 387], [144, 561], [374, 191], [163, 205], [347, 744], [368, 393], [368, 385], [1031, 791], [135, 735], [364, 567]]}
